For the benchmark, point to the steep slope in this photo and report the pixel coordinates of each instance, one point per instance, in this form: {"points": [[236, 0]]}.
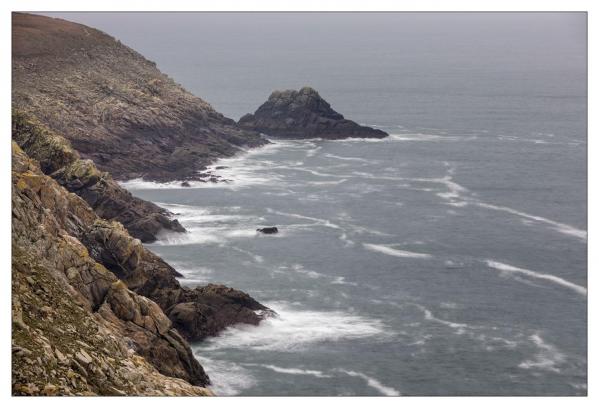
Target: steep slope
{"points": [[113, 105], [77, 329], [303, 114], [143, 219]]}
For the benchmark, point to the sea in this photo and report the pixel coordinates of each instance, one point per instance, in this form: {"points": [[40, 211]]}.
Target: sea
{"points": [[449, 258]]}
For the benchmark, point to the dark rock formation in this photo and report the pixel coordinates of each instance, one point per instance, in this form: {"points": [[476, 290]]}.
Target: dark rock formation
{"points": [[268, 230], [113, 105], [118, 284], [303, 114], [57, 158], [84, 331]]}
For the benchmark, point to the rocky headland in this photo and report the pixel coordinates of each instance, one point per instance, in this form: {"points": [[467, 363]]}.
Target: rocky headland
{"points": [[113, 105], [65, 259], [303, 114], [94, 311]]}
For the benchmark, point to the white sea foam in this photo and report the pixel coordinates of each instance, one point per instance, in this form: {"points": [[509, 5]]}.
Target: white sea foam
{"points": [[395, 252], [327, 183], [257, 258], [355, 159], [509, 270], [373, 383], [348, 242], [312, 152], [428, 315], [547, 358], [318, 221], [208, 225], [227, 377], [409, 137], [193, 275], [340, 280], [292, 371], [558, 226], [294, 329]]}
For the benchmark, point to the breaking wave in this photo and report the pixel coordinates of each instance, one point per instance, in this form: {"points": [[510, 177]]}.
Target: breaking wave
{"points": [[294, 329]]}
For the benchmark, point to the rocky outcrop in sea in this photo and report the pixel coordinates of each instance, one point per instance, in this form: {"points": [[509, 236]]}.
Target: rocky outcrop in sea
{"points": [[303, 114]]}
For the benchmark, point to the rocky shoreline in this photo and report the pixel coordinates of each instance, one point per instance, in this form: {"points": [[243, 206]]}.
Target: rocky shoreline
{"points": [[108, 276], [94, 311]]}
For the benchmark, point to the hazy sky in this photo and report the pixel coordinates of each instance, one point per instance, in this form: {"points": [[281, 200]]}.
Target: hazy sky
{"points": [[234, 60]]}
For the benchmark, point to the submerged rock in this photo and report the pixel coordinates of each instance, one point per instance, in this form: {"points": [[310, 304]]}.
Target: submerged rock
{"points": [[303, 114]]}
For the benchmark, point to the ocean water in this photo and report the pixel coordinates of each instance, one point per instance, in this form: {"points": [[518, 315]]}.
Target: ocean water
{"points": [[447, 259]]}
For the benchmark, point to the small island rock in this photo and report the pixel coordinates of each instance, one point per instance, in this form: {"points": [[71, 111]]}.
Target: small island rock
{"points": [[303, 114]]}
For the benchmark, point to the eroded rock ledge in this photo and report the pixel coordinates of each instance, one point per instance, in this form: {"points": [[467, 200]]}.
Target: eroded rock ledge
{"points": [[110, 201], [303, 114], [114, 311]]}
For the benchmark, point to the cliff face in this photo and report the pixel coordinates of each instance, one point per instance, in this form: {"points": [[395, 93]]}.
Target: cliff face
{"points": [[78, 329], [57, 158], [303, 114], [93, 310], [113, 105]]}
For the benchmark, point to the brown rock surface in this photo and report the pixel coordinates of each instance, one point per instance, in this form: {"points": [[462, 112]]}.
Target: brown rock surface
{"points": [[143, 219], [114, 105], [73, 320]]}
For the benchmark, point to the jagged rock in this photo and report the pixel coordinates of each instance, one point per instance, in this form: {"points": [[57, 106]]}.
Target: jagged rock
{"points": [[205, 311], [303, 114], [114, 105], [70, 284], [85, 256], [143, 219], [151, 334]]}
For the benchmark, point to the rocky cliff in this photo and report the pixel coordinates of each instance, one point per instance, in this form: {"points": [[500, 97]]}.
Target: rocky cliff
{"points": [[77, 328], [93, 310], [303, 114], [143, 219], [113, 105]]}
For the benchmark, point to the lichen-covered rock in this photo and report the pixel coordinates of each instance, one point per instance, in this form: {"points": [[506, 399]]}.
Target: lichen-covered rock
{"points": [[74, 322], [152, 333], [303, 114], [114, 105], [88, 254], [77, 353], [143, 219]]}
